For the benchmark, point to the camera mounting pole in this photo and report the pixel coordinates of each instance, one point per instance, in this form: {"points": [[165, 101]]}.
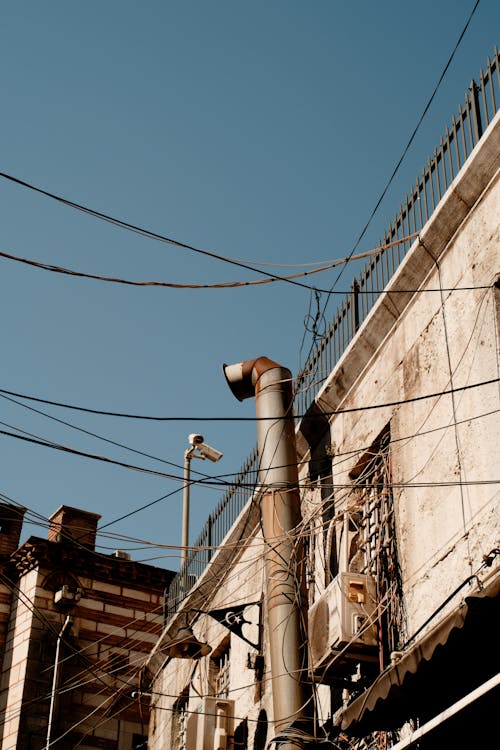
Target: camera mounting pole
{"points": [[198, 449], [185, 504]]}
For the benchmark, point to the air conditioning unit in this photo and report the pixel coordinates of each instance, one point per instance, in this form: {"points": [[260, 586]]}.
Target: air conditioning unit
{"points": [[210, 725], [67, 595], [343, 627]]}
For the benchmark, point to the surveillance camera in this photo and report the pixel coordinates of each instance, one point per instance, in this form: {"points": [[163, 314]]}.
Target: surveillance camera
{"points": [[206, 451], [195, 439]]}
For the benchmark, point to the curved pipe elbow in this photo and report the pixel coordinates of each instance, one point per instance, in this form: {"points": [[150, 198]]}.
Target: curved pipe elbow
{"points": [[242, 377]]}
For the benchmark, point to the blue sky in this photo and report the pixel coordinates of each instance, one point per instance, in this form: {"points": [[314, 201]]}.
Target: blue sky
{"points": [[262, 131]]}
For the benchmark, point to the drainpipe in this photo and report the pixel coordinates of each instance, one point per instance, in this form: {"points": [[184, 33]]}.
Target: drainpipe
{"points": [[67, 623], [284, 557]]}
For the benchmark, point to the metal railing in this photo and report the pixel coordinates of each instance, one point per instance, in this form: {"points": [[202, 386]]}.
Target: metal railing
{"points": [[448, 158], [481, 104]]}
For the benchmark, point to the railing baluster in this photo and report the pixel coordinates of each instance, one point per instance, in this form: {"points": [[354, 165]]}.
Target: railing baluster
{"points": [[492, 89], [468, 109], [462, 132], [431, 185], [455, 141], [450, 155], [483, 96]]}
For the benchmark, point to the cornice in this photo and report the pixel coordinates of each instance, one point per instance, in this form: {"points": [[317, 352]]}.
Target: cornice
{"points": [[40, 553]]}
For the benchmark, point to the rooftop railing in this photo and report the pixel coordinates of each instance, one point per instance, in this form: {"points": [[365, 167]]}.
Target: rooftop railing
{"points": [[467, 127]]}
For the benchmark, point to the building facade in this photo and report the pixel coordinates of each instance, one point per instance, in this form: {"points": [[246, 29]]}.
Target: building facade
{"points": [[398, 541], [76, 626]]}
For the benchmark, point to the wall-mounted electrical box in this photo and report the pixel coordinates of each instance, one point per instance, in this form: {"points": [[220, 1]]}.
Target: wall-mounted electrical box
{"points": [[67, 594]]}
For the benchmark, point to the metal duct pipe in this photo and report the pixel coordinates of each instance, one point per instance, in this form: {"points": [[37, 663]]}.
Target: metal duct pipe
{"points": [[281, 515]]}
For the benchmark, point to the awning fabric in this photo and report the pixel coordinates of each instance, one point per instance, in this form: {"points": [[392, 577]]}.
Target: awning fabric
{"points": [[455, 657]]}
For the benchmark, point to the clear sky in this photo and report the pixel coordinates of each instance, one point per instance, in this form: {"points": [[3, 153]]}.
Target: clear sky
{"points": [[263, 131]]}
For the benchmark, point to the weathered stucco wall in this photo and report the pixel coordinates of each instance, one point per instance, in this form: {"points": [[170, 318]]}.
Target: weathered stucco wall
{"points": [[240, 583], [445, 450]]}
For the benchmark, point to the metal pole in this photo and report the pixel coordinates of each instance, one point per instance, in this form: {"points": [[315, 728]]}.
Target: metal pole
{"points": [[55, 679], [185, 505]]}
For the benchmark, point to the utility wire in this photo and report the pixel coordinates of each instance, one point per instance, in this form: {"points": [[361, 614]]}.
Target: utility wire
{"points": [[237, 284], [397, 166], [412, 136], [217, 285], [214, 482], [100, 437], [144, 232], [127, 415], [184, 246]]}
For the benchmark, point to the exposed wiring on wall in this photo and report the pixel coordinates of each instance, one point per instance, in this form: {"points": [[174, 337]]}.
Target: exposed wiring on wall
{"points": [[451, 380], [487, 562]]}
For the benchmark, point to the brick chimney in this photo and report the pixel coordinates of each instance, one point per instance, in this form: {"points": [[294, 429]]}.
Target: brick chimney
{"points": [[69, 525], [11, 523]]}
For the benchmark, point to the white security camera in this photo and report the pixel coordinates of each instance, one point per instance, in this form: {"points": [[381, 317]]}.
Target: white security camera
{"points": [[206, 451]]}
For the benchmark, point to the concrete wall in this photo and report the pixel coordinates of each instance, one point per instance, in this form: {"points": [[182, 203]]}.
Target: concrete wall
{"points": [[445, 450]]}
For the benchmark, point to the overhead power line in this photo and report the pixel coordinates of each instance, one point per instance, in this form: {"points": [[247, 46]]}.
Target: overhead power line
{"points": [[329, 292], [154, 418], [216, 285], [217, 481], [94, 456], [236, 284], [145, 232], [98, 437], [414, 133]]}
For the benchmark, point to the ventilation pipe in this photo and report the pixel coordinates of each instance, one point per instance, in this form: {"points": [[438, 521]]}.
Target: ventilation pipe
{"points": [[285, 561]]}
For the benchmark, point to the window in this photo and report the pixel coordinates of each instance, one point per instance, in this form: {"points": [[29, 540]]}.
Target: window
{"points": [[220, 670], [373, 547], [179, 722]]}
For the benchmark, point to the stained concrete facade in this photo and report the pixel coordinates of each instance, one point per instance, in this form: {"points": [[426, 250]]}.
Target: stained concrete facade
{"points": [[115, 609], [399, 479]]}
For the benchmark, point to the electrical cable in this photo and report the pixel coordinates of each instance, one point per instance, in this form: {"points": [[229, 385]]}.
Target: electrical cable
{"points": [[346, 455], [218, 285], [126, 415], [400, 161], [142, 231], [212, 483], [104, 459], [234, 284], [90, 667], [99, 437], [415, 130]]}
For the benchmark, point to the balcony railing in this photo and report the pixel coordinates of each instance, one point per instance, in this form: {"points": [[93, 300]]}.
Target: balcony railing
{"points": [[467, 127]]}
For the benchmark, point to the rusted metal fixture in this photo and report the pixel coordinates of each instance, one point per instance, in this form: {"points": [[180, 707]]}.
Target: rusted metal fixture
{"points": [[281, 517]]}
